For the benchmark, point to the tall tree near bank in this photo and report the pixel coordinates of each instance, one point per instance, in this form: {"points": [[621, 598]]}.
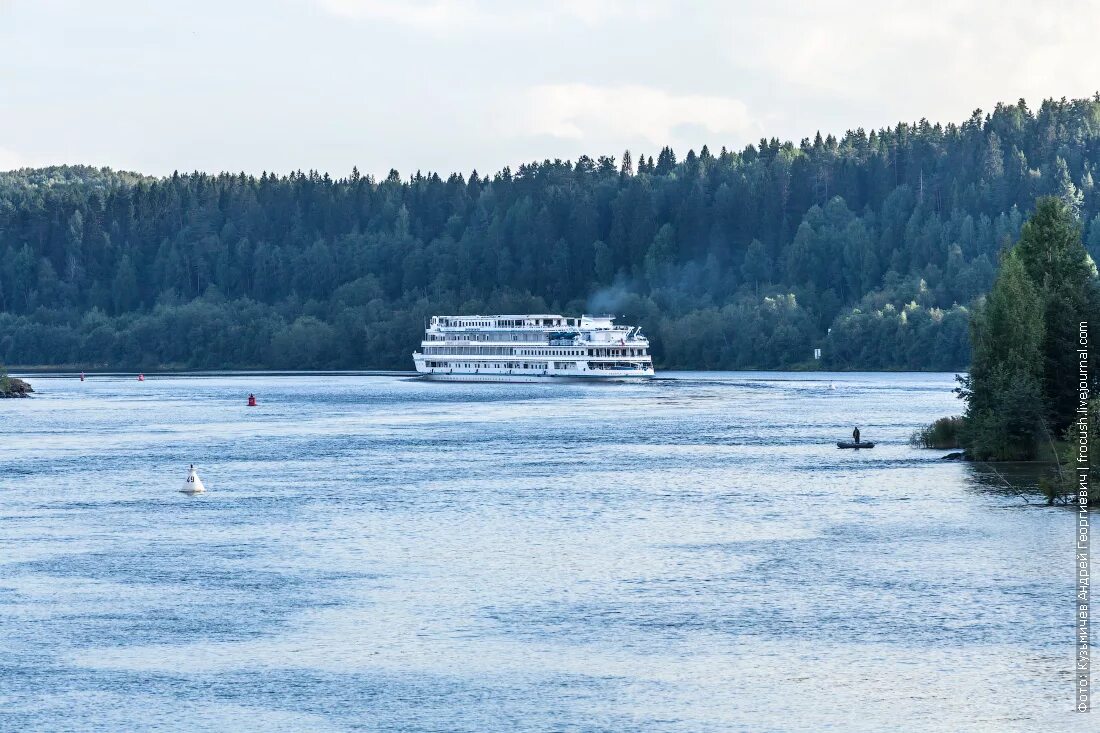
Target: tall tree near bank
{"points": [[1005, 415], [1059, 267]]}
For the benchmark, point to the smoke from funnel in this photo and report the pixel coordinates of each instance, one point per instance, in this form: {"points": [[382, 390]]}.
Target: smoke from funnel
{"points": [[609, 299]]}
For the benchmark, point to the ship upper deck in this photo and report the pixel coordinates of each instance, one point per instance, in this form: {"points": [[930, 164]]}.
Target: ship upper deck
{"points": [[533, 329], [536, 321]]}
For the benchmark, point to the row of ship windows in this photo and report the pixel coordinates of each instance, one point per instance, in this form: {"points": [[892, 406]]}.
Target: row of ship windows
{"points": [[510, 323], [499, 365], [495, 336], [584, 352]]}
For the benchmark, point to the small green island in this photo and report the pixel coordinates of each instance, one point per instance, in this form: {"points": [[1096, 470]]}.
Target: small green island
{"points": [[1029, 393], [12, 387]]}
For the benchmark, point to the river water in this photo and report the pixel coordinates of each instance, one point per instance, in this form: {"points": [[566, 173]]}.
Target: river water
{"points": [[383, 554]]}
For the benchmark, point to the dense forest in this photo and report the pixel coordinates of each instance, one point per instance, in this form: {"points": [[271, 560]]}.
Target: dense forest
{"points": [[874, 247]]}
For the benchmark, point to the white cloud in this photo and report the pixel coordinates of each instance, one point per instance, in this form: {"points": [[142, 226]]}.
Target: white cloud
{"points": [[429, 14], [457, 84], [937, 48], [627, 114], [486, 15]]}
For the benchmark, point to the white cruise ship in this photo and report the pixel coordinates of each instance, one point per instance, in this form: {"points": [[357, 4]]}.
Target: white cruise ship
{"points": [[531, 348]]}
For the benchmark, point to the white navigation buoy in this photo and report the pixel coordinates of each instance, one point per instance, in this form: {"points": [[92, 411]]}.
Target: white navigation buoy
{"points": [[193, 484]]}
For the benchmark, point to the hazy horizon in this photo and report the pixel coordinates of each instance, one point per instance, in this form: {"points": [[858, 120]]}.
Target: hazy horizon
{"points": [[456, 85], [484, 172]]}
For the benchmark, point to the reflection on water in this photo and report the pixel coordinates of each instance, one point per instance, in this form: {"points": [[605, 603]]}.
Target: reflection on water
{"points": [[378, 553], [1011, 479]]}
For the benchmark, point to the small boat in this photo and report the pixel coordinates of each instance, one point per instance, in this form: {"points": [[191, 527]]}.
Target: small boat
{"points": [[853, 444], [193, 484]]}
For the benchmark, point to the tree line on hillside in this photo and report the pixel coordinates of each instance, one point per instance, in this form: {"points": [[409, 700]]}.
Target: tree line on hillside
{"points": [[873, 246]]}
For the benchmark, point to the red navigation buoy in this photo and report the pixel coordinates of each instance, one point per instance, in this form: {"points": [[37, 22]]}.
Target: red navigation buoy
{"points": [[251, 400], [141, 377]]}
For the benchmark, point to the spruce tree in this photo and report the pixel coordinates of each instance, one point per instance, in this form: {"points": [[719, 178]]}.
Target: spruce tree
{"points": [[1055, 259], [627, 169], [1004, 416]]}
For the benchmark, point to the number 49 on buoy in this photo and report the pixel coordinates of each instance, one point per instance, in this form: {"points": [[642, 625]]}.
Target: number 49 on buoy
{"points": [[193, 484]]}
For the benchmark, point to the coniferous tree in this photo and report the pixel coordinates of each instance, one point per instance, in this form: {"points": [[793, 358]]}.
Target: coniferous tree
{"points": [[1003, 390], [1056, 262], [627, 169], [756, 268]]}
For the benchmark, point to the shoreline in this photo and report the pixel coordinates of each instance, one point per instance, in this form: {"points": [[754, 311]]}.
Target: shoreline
{"points": [[51, 372], [65, 369]]}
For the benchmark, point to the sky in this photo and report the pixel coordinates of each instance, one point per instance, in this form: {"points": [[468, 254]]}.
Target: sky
{"points": [[457, 85]]}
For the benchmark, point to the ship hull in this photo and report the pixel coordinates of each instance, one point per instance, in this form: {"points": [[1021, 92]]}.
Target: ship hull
{"points": [[533, 378]]}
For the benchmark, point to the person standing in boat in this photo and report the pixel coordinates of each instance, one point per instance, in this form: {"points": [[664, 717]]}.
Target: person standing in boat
{"points": [[855, 435]]}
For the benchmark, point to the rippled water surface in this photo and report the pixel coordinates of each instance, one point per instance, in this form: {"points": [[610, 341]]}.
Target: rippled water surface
{"points": [[378, 553]]}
